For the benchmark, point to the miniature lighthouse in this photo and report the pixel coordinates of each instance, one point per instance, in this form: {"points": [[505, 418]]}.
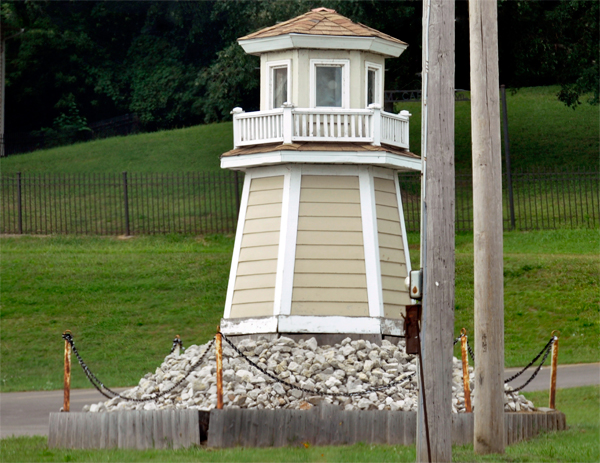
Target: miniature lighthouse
{"points": [[321, 244]]}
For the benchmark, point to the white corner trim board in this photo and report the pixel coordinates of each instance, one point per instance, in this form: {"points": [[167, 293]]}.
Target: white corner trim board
{"points": [[378, 158]]}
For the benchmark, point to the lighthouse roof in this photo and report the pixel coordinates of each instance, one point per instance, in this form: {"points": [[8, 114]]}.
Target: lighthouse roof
{"points": [[322, 24]]}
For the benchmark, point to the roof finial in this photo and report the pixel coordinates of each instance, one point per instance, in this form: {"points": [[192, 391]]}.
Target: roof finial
{"points": [[323, 10]]}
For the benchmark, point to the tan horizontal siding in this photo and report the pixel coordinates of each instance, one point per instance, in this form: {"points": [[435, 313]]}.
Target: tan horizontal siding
{"points": [[330, 223], [262, 225], [394, 311], [389, 227], [324, 195], [329, 295], [330, 252], [329, 210], [396, 297], [347, 309], [309, 280], [382, 184], [260, 239], [258, 253], [245, 296], [330, 266], [331, 181], [265, 280], [263, 211], [265, 197], [383, 198], [393, 283], [257, 267], [388, 213], [393, 269], [391, 255], [390, 241], [330, 237], [266, 183], [256, 309]]}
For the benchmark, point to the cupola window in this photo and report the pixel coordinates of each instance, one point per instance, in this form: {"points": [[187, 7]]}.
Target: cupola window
{"points": [[329, 81], [374, 83], [280, 83]]}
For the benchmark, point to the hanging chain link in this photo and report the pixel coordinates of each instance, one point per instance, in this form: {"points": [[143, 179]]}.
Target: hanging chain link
{"points": [[546, 347], [110, 394], [537, 370], [403, 378]]}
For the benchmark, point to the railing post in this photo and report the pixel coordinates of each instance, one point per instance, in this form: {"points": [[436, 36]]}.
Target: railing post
{"points": [[19, 204], [405, 128], [376, 126], [67, 376], [237, 136], [126, 204], [219, 361], [553, 371], [287, 122]]}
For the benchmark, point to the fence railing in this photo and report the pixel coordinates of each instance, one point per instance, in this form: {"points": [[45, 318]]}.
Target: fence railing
{"points": [[203, 203]]}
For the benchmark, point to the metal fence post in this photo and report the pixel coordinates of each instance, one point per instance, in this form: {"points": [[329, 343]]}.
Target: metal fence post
{"points": [[511, 203], [237, 194], [219, 362], [19, 204], [126, 204], [67, 378], [465, 365], [553, 371]]}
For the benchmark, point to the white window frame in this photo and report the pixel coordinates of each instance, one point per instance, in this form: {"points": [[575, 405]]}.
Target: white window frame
{"points": [[345, 65], [378, 68], [271, 66]]}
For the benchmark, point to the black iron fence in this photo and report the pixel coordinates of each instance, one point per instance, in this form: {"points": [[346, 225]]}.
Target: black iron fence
{"points": [[203, 203]]}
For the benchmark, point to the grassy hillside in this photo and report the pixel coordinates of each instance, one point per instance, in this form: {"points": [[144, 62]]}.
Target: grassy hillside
{"points": [[124, 300], [543, 132]]}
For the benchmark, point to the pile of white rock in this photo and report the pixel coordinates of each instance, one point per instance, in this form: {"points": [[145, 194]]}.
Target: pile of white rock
{"points": [[351, 366]]}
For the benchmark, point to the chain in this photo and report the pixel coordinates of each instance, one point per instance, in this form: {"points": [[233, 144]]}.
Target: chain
{"points": [[321, 393], [537, 370], [100, 386], [546, 347]]}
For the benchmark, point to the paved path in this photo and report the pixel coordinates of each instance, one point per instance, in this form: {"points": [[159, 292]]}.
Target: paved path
{"points": [[26, 413]]}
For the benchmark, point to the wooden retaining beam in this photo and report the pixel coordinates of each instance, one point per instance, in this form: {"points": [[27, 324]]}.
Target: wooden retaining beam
{"points": [[231, 427]]}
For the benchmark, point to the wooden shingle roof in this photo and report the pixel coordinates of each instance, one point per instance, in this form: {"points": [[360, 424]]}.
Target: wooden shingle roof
{"points": [[321, 21]]}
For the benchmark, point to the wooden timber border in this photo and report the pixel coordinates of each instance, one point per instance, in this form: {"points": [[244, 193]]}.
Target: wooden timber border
{"points": [[321, 425]]}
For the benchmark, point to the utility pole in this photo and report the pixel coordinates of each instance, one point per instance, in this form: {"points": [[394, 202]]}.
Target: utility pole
{"points": [[437, 231], [487, 228]]}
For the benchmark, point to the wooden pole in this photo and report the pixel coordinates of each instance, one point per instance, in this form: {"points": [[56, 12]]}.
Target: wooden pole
{"points": [[487, 228], [465, 365], [553, 370], [437, 240], [67, 377], [219, 361]]}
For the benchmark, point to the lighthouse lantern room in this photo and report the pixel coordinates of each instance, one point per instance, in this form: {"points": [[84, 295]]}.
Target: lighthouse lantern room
{"points": [[321, 245]]}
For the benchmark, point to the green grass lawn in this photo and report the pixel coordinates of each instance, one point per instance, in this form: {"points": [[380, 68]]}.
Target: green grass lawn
{"points": [[124, 300], [543, 132], [580, 443]]}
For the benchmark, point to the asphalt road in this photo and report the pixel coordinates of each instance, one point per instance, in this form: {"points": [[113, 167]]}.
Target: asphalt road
{"points": [[26, 413]]}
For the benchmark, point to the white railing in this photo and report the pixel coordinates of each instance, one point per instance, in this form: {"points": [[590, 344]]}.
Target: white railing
{"points": [[289, 124]]}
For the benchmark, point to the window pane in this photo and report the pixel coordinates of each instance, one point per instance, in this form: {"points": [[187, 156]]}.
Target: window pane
{"points": [[371, 87], [329, 86], [279, 87]]}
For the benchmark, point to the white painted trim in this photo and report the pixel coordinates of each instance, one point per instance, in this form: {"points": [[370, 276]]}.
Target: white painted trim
{"points": [[402, 224], [328, 324], [283, 232], [234, 326], [345, 65], [378, 158], [271, 65], [238, 244], [289, 245], [378, 83], [370, 242], [377, 45]]}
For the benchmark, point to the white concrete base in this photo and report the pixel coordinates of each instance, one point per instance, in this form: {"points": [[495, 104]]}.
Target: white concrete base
{"points": [[312, 324]]}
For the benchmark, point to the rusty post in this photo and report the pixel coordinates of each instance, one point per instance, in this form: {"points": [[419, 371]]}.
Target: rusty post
{"points": [[67, 383], [465, 365], [553, 370], [219, 357]]}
